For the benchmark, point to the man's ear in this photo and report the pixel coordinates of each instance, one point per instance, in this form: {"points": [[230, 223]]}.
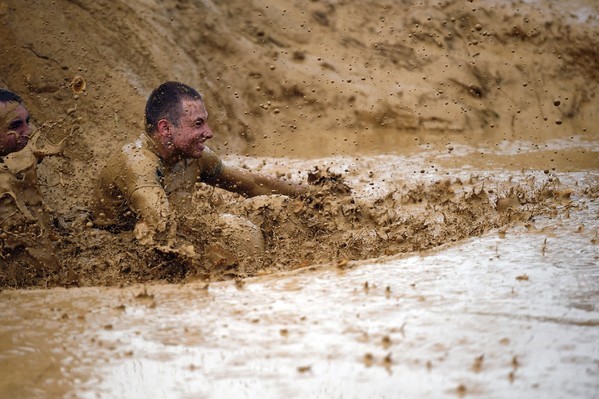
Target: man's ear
{"points": [[163, 127]]}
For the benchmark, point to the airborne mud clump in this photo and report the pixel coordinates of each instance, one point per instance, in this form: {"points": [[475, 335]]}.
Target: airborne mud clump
{"points": [[296, 84]]}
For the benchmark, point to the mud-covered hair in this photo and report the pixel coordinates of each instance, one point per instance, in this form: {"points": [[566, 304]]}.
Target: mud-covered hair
{"points": [[165, 103], [7, 96]]}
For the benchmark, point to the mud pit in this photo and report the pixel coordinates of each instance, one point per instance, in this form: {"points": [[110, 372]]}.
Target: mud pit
{"points": [[511, 313], [451, 148]]}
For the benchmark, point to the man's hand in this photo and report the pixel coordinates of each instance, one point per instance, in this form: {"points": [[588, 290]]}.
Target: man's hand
{"points": [[144, 234], [183, 249]]}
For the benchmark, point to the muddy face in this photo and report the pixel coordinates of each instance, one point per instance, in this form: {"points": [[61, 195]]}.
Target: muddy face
{"points": [[188, 137], [14, 127]]}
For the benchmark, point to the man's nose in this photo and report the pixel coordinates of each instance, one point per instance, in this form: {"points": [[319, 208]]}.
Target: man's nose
{"points": [[26, 130], [208, 133]]}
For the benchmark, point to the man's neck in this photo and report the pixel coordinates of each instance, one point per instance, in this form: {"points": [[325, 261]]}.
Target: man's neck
{"points": [[167, 155]]}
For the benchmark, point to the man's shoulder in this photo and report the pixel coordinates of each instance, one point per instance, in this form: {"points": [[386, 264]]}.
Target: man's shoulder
{"points": [[135, 157], [133, 153]]}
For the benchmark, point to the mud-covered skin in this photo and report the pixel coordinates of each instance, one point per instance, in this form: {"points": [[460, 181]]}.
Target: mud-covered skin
{"points": [[14, 127], [137, 187], [163, 167], [26, 247], [137, 183], [15, 214]]}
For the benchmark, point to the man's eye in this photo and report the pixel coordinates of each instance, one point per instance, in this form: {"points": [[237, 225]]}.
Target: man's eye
{"points": [[15, 125]]}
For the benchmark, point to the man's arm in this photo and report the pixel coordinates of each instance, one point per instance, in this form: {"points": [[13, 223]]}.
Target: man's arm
{"points": [[250, 184], [151, 204], [131, 176]]}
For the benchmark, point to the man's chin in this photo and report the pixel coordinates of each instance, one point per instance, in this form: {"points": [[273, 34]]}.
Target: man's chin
{"points": [[197, 153]]}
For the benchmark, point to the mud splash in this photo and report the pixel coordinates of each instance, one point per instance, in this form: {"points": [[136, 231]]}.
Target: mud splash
{"points": [[512, 313], [371, 212]]}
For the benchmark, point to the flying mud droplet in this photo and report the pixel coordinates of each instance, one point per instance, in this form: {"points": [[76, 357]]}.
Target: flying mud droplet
{"points": [[387, 361], [386, 341], [304, 369], [478, 363], [556, 102], [558, 121], [515, 362], [78, 84]]}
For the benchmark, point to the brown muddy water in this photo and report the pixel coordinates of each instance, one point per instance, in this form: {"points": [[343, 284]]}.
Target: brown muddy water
{"points": [[512, 313], [487, 286]]}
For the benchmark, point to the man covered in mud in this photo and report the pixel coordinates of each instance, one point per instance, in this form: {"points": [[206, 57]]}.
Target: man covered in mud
{"points": [[14, 123], [139, 184], [24, 221]]}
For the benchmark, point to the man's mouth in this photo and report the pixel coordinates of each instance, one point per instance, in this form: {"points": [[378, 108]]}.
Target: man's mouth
{"points": [[200, 146]]}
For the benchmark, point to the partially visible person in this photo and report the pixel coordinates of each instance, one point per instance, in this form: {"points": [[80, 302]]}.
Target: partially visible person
{"points": [[14, 123], [24, 221], [170, 157]]}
